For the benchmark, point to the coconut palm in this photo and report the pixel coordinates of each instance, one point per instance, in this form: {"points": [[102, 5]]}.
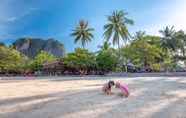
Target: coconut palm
{"points": [[105, 46], [180, 36], [139, 35], [168, 41], [83, 33], [116, 27]]}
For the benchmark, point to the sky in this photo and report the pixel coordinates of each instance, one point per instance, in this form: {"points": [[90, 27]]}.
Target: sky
{"points": [[57, 18]]}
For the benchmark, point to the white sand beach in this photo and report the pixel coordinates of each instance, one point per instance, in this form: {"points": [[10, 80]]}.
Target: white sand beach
{"points": [[67, 97]]}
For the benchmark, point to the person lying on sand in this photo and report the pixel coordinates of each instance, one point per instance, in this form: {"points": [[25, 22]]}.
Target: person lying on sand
{"points": [[124, 89], [107, 87]]}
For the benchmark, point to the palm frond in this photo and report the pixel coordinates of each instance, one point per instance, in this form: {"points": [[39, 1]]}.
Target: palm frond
{"points": [[116, 28], [82, 33], [129, 21], [108, 33]]}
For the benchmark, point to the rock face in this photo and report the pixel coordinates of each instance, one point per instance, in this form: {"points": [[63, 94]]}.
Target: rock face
{"points": [[31, 47]]}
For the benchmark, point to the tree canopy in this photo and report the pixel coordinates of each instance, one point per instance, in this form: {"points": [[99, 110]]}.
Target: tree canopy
{"points": [[10, 59], [41, 58], [144, 52], [81, 60]]}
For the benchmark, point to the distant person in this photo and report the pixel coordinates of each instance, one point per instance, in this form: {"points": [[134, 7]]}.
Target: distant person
{"points": [[124, 89], [107, 87]]}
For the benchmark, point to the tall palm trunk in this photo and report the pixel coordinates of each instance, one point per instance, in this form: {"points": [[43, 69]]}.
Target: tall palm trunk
{"points": [[119, 50], [120, 58]]}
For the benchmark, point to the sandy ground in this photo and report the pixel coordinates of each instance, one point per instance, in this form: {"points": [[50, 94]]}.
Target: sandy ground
{"points": [[151, 97]]}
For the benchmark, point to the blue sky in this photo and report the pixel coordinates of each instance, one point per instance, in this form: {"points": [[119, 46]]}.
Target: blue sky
{"points": [[57, 18]]}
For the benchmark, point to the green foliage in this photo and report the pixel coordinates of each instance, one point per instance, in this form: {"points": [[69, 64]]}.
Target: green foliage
{"points": [[105, 46], [106, 60], [174, 43], [180, 38], [157, 53], [40, 59], [168, 42], [144, 51], [10, 59], [83, 33], [168, 64], [81, 60]]}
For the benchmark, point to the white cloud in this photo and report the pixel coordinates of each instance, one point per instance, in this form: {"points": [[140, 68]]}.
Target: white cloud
{"points": [[10, 15], [22, 15]]}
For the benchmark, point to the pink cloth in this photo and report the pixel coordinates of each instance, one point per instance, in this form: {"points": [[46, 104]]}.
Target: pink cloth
{"points": [[124, 88]]}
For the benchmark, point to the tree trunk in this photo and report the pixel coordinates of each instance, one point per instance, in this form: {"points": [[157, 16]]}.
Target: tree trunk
{"points": [[119, 51], [119, 56]]}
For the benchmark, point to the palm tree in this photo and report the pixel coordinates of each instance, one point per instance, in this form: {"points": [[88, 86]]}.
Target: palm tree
{"points": [[116, 28], [82, 33], [180, 36], [139, 35], [169, 44], [105, 46], [168, 41]]}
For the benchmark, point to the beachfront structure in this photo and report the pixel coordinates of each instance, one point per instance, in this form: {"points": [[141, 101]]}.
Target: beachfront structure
{"points": [[53, 68]]}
